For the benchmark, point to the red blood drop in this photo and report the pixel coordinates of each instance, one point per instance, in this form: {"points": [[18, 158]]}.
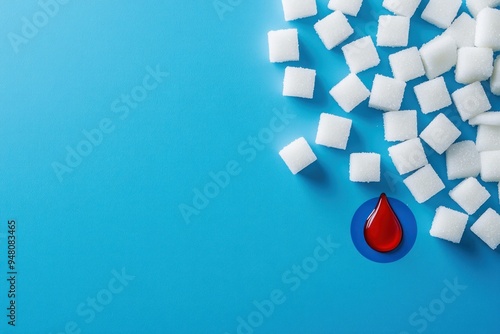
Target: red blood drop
{"points": [[383, 231]]}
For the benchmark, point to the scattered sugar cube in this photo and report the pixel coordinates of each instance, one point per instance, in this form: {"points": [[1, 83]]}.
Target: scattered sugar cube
{"points": [[387, 93], [486, 118], [400, 125], [495, 78], [474, 64], [408, 155], [297, 155], [424, 183], [393, 30], [439, 56], [440, 133], [490, 166], [299, 82], [462, 30], [432, 95], [361, 54], [487, 228], [448, 224], [488, 138], [298, 9], [364, 167], [333, 131], [402, 7], [350, 7], [470, 195], [471, 100], [283, 45], [407, 65], [349, 92], [475, 6], [333, 29], [488, 29], [441, 12], [462, 160]]}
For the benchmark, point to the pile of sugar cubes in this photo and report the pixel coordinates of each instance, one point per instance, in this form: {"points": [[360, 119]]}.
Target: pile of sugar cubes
{"points": [[467, 44]]}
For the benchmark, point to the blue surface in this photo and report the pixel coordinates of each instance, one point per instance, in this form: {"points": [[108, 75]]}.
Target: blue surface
{"points": [[117, 212]]}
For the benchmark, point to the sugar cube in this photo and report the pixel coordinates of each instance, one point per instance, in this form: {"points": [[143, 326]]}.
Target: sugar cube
{"points": [[400, 125], [487, 228], [488, 138], [387, 93], [408, 155], [424, 183], [350, 7], [298, 9], [402, 7], [393, 30], [333, 29], [471, 100], [361, 54], [297, 155], [349, 92], [486, 118], [495, 78], [283, 45], [470, 195], [488, 29], [406, 65], [448, 224], [432, 95], [439, 56], [490, 166], [440, 133], [333, 131], [473, 64], [462, 30], [364, 167], [299, 82], [475, 6], [462, 160], [441, 12]]}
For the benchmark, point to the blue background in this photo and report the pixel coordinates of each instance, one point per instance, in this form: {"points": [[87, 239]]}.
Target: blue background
{"points": [[119, 208]]}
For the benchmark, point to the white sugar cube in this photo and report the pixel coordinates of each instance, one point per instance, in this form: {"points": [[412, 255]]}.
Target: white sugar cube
{"points": [[473, 64], [297, 155], [387, 93], [406, 65], [470, 195], [495, 78], [487, 228], [350, 7], [490, 166], [408, 155], [393, 30], [402, 7], [333, 131], [440, 133], [432, 95], [333, 29], [462, 30], [283, 45], [486, 118], [364, 167], [488, 29], [471, 100], [349, 92], [448, 224], [475, 6], [299, 82], [488, 138], [400, 125], [298, 9], [462, 160], [424, 183], [439, 56], [441, 12], [361, 55]]}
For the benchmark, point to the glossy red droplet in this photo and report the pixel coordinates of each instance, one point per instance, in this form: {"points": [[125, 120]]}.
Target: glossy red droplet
{"points": [[383, 231]]}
